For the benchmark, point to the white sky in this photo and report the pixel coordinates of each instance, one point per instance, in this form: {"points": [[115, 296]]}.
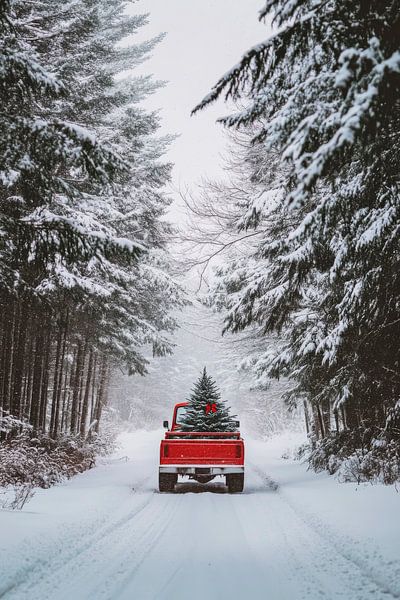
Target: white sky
{"points": [[204, 39]]}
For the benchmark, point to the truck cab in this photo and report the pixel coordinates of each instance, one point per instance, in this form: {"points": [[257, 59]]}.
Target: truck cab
{"points": [[179, 412], [200, 455]]}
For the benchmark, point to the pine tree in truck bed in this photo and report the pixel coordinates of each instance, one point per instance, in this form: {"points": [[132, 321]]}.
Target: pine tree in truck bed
{"points": [[206, 411]]}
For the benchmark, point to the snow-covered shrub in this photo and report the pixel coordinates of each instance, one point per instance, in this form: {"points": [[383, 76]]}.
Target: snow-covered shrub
{"points": [[11, 425], [40, 461], [16, 496], [358, 456], [328, 453], [381, 463], [302, 451]]}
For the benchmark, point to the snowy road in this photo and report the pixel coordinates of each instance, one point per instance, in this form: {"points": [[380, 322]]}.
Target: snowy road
{"points": [[97, 538]]}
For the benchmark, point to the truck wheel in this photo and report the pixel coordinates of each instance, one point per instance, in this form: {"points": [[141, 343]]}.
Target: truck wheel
{"points": [[167, 481], [235, 482]]}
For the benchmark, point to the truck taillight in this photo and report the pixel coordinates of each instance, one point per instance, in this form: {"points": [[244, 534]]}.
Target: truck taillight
{"points": [[238, 451], [166, 450]]}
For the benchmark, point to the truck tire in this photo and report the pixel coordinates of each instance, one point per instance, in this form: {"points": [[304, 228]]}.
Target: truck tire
{"points": [[235, 482], [167, 481]]}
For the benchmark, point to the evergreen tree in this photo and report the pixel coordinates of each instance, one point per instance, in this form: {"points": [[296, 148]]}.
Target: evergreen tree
{"points": [[76, 300], [131, 209], [43, 158], [323, 92], [205, 410]]}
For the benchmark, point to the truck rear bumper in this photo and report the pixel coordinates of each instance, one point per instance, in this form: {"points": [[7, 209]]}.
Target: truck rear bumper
{"points": [[201, 469]]}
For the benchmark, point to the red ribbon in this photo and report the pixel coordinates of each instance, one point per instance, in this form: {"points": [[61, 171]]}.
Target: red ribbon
{"points": [[211, 408]]}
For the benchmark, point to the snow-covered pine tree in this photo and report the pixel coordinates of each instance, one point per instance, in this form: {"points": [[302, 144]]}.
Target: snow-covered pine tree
{"points": [[323, 90], [39, 151], [206, 411], [136, 312], [90, 305]]}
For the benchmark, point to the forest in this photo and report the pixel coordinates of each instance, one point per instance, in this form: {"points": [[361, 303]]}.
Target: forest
{"points": [[84, 276], [306, 221], [313, 204], [199, 299]]}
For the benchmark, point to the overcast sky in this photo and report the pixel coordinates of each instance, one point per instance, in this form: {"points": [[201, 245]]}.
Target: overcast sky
{"points": [[204, 39]]}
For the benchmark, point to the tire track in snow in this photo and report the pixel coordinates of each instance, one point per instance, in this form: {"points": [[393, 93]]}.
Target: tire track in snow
{"points": [[105, 561], [129, 551], [95, 529], [206, 555], [69, 550], [331, 541], [288, 562], [258, 544], [152, 538]]}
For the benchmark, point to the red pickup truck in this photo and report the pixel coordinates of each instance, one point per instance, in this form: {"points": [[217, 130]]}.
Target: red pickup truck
{"points": [[201, 456]]}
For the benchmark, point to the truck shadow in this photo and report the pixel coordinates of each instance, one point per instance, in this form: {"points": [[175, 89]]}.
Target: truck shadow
{"points": [[266, 486], [195, 487]]}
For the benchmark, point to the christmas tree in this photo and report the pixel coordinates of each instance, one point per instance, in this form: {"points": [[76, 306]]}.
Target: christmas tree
{"points": [[206, 411]]}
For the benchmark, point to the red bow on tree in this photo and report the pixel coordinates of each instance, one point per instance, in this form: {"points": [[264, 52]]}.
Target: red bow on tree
{"points": [[211, 408]]}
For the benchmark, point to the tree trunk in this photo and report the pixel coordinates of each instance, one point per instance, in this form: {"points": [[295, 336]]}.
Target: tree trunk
{"points": [[7, 351], [37, 380], [326, 416], [45, 383], [93, 402], [76, 388], [29, 377], [55, 380], [85, 406], [56, 420], [101, 395], [18, 360], [306, 417]]}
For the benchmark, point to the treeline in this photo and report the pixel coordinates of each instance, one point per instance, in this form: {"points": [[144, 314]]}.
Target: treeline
{"points": [[313, 208], [52, 376], [84, 278]]}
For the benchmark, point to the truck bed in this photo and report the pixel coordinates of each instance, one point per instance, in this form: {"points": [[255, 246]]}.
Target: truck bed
{"points": [[192, 448]]}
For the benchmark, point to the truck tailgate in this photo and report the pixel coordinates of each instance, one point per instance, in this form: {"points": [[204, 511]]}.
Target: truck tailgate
{"points": [[201, 452]]}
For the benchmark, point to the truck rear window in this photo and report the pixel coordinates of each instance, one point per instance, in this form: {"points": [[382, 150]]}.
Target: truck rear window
{"points": [[180, 413]]}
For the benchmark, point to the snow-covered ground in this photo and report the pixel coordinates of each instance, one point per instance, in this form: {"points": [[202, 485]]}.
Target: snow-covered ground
{"points": [[291, 535]]}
